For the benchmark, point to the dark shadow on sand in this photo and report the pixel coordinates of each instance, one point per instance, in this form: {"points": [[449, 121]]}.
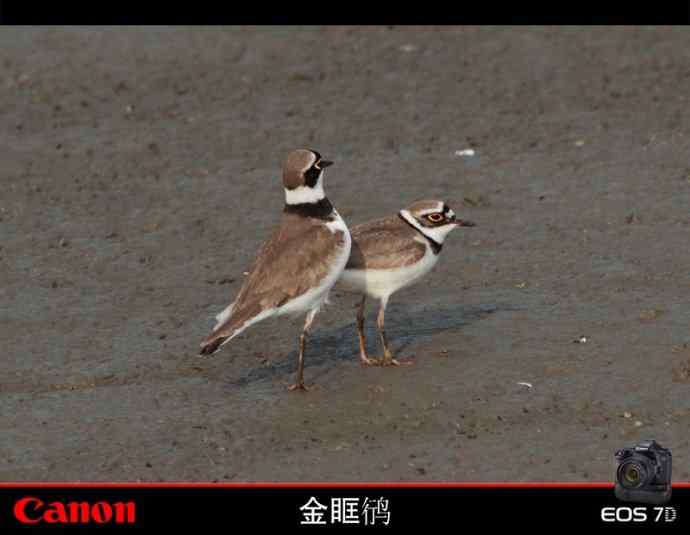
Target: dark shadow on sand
{"points": [[404, 327]]}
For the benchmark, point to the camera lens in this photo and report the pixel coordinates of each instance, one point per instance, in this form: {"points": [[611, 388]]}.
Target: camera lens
{"points": [[632, 474]]}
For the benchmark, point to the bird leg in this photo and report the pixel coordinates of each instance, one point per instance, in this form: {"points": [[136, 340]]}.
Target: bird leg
{"points": [[388, 359], [363, 357], [299, 385]]}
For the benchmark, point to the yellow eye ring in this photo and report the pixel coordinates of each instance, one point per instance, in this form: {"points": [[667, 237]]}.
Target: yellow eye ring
{"points": [[435, 218]]}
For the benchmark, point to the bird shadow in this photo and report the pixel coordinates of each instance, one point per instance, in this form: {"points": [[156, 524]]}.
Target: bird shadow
{"points": [[325, 348]]}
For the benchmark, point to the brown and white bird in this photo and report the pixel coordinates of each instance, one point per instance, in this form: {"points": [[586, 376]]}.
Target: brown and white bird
{"points": [[391, 253], [296, 268]]}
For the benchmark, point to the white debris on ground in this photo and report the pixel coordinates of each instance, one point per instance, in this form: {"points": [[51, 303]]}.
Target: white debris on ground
{"points": [[465, 152], [523, 383]]}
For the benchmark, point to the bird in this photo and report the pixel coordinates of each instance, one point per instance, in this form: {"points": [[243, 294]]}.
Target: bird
{"points": [[391, 253], [297, 266]]}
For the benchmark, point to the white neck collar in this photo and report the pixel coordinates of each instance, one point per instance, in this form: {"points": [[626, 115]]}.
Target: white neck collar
{"points": [[305, 194]]}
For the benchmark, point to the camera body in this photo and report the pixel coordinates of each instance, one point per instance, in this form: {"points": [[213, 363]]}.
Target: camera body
{"points": [[644, 473]]}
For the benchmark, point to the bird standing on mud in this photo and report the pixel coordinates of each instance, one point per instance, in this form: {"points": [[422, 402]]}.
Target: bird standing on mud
{"points": [[391, 253], [296, 268]]}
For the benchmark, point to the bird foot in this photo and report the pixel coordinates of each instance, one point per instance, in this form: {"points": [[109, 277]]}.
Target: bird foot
{"points": [[298, 386], [366, 361], [406, 361], [387, 361]]}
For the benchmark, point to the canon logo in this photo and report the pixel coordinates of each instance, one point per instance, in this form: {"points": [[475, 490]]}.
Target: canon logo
{"points": [[31, 510]]}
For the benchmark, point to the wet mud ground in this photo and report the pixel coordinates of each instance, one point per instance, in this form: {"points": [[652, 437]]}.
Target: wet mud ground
{"points": [[139, 173]]}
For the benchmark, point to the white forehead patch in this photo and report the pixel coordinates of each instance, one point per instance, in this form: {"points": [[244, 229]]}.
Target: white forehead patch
{"points": [[450, 213]]}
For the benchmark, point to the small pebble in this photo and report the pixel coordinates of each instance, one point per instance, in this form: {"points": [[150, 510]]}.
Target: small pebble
{"points": [[650, 315], [627, 414]]}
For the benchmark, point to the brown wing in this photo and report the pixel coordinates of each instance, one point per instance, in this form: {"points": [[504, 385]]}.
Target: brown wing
{"points": [[377, 243], [296, 258]]}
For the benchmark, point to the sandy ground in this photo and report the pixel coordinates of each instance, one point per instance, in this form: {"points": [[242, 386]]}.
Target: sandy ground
{"points": [[139, 172]]}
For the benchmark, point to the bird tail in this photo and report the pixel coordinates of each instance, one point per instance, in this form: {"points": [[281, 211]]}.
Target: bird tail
{"points": [[231, 322], [212, 344], [222, 333]]}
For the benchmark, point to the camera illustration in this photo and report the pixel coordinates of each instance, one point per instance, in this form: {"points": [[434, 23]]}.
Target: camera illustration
{"points": [[644, 473]]}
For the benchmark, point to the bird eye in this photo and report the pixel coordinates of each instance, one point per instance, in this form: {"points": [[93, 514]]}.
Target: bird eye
{"points": [[435, 218]]}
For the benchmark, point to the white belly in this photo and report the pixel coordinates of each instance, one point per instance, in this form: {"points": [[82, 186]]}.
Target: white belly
{"points": [[316, 297], [380, 283]]}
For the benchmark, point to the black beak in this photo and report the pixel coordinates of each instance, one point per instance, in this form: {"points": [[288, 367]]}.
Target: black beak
{"points": [[464, 223], [324, 163]]}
